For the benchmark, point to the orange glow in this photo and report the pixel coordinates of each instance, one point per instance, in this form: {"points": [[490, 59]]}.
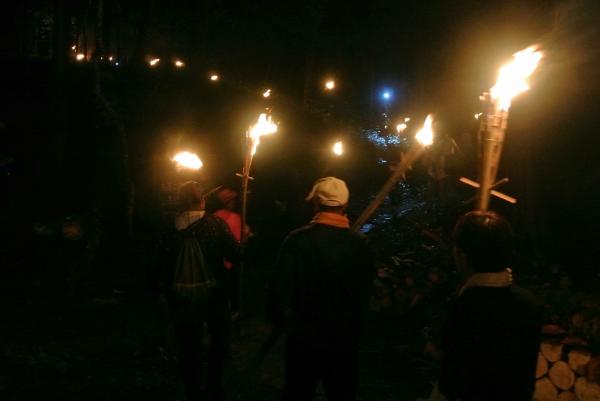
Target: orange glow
{"points": [[264, 126], [330, 85], [187, 160], [512, 79], [214, 77], [154, 62], [80, 57], [179, 64], [267, 93], [338, 148], [425, 134]]}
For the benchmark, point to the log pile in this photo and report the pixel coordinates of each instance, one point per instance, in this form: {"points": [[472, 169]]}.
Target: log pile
{"points": [[566, 373]]}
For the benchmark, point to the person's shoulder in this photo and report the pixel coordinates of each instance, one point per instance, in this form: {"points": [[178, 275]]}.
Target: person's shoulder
{"points": [[298, 234]]}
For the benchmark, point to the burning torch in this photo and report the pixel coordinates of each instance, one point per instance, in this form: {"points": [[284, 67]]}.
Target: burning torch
{"points": [[424, 138], [512, 80]]}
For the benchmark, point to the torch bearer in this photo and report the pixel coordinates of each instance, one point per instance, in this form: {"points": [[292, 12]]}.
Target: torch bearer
{"points": [[423, 138], [511, 82], [264, 126]]}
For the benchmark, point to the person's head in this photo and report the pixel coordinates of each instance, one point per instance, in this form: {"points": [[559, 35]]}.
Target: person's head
{"points": [[227, 198], [329, 194], [483, 242], [190, 196]]}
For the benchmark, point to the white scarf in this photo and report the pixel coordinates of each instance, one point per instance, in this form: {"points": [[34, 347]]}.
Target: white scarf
{"points": [[496, 280]]}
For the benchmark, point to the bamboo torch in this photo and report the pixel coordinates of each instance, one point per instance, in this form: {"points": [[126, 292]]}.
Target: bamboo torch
{"points": [[424, 138], [511, 82]]}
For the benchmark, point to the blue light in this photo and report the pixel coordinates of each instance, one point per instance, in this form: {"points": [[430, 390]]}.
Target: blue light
{"points": [[387, 95]]}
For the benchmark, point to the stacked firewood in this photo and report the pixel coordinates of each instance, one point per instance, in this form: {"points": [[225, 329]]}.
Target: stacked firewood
{"points": [[566, 373]]}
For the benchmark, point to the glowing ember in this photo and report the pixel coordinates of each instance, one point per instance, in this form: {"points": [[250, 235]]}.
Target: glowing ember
{"points": [[179, 64], [267, 93], [401, 127], [264, 126], [214, 77], [330, 85], [154, 62], [425, 134], [80, 57], [338, 148], [512, 78], [187, 160]]}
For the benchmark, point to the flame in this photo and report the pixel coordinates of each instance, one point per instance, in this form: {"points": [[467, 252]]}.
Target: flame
{"points": [[338, 148], [264, 126], [401, 127], [477, 115], [187, 160], [154, 62], [512, 77], [425, 134], [74, 47], [407, 119], [110, 58], [330, 85], [80, 56], [214, 77], [179, 64], [267, 93]]}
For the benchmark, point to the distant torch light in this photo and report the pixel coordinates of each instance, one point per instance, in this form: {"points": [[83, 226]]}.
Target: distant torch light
{"points": [[407, 119], [267, 93], [179, 64], [111, 58], [80, 57], [187, 160], [330, 85], [214, 77], [74, 47], [477, 115], [401, 127], [338, 148], [425, 134], [154, 62]]}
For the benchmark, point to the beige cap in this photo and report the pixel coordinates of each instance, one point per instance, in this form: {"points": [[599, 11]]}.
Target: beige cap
{"points": [[330, 191]]}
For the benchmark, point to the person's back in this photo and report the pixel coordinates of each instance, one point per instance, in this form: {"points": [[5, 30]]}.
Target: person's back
{"points": [[492, 335], [491, 344], [330, 280]]}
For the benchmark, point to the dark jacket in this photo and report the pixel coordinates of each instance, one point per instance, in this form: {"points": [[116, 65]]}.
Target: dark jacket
{"points": [[490, 346], [216, 241], [321, 285]]}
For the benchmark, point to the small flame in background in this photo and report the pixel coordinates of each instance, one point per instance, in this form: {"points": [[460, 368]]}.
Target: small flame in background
{"points": [[338, 148], [80, 57], [154, 62], [425, 134], [267, 93], [264, 126], [512, 77], [330, 84], [179, 64], [187, 160], [214, 77], [401, 127]]}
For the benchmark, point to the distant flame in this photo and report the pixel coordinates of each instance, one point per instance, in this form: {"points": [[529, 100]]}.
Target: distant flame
{"points": [[154, 62], [110, 58], [264, 126], [214, 77], [330, 85], [338, 148], [267, 93], [425, 134], [187, 160], [179, 64], [401, 127], [80, 56], [512, 77], [477, 115], [407, 119]]}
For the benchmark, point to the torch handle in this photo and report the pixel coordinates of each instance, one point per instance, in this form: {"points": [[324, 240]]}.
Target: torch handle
{"points": [[413, 154]]}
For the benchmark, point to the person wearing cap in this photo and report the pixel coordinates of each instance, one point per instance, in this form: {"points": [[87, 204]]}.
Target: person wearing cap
{"points": [[217, 243], [491, 339], [318, 295]]}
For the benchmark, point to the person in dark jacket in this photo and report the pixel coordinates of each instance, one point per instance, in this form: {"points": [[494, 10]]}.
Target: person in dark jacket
{"points": [[323, 275], [217, 243], [492, 337]]}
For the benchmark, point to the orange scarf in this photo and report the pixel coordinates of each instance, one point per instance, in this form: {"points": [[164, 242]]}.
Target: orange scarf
{"points": [[331, 219]]}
